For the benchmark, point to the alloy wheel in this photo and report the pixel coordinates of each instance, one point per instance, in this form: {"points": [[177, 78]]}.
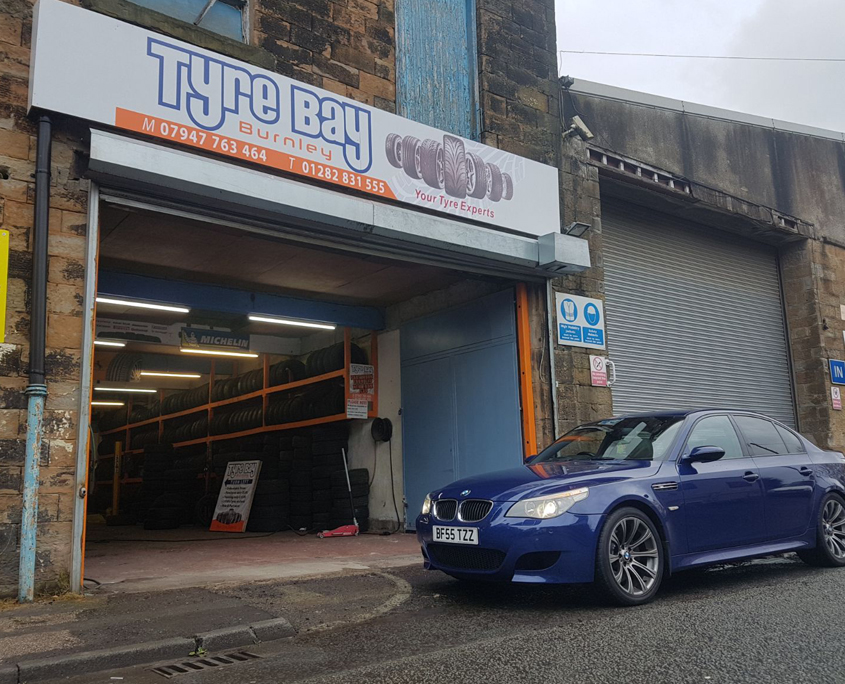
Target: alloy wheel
{"points": [[833, 527], [634, 556]]}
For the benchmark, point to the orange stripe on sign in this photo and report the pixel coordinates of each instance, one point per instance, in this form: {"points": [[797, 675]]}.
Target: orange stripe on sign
{"points": [[217, 526], [246, 151]]}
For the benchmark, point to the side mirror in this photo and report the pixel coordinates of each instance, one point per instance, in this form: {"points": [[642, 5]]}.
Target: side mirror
{"points": [[704, 454]]}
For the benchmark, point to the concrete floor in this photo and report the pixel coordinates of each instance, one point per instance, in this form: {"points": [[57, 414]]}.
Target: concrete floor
{"points": [[130, 559]]}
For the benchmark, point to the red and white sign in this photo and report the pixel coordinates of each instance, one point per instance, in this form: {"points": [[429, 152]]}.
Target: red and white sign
{"points": [[121, 75], [598, 371], [362, 385], [836, 397], [235, 499]]}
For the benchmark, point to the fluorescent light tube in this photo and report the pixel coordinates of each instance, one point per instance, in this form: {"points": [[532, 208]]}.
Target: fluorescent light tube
{"points": [[107, 403], [288, 321], [156, 374], [212, 352], [125, 389], [106, 343], [142, 305]]}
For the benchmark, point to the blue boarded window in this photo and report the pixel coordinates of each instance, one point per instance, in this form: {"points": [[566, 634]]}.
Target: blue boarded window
{"points": [[437, 64], [226, 17]]}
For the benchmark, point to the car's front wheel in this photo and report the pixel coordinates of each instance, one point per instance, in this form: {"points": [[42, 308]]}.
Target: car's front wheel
{"points": [[830, 535], [629, 559]]}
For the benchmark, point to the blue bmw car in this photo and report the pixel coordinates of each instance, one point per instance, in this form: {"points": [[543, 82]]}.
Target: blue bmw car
{"points": [[627, 501]]}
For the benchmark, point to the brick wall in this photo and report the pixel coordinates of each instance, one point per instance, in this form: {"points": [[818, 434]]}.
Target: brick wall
{"points": [[345, 46], [64, 322]]}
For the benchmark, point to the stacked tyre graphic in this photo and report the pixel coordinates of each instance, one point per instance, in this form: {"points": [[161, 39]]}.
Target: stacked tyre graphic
{"points": [[448, 166]]}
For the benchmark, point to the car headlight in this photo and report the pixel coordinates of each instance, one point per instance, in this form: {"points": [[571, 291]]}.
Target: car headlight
{"points": [[545, 507], [426, 507]]}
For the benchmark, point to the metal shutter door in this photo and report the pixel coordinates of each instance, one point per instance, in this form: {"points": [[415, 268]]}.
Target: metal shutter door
{"points": [[694, 317]]}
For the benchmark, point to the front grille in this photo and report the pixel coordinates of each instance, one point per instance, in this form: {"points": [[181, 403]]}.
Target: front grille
{"points": [[473, 510], [466, 558], [537, 560], [445, 509]]}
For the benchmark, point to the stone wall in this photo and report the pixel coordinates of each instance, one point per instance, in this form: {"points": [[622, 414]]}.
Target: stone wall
{"points": [[345, 46], [64, 314], [813, 272]]}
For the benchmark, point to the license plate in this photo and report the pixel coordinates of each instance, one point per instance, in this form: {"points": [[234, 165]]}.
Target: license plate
{"points": [[455, 535]]}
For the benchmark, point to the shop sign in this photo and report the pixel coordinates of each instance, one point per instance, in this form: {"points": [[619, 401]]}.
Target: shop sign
{"points": [[4, 280], [202, 338], [580, 321], [598, 371], [836, 398], [362, 383], [160, 87], [837, 371], [137, 331], [235, 498]]}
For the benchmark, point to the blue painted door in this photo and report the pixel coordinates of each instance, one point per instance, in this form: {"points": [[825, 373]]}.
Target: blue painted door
{"points": [[437, 64], [460, 395]]}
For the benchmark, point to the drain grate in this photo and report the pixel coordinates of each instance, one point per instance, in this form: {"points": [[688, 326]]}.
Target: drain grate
{"points": [[206, 663]]}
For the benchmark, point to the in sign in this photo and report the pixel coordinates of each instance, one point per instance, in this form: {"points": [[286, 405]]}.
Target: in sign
{"points": [[837, 372]]}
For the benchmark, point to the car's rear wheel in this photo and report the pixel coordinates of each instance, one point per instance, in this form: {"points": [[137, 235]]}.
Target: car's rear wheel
{"points": [[830, 535], [629, 559]]}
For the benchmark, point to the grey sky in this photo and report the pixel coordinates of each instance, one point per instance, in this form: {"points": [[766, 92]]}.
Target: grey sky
{"points": [[806, 92]]}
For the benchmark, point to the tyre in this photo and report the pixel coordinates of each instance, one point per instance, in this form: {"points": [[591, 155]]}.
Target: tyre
{"points": [[454, 167], [507, 184], [830, 535], [431, 164], [476, 176], [495, 184], [629, 558], [393, 149], [411, 156]]}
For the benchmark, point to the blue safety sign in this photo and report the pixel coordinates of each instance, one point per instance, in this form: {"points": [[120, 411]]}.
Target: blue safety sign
{"points": [[837, 372], [580, 321]]}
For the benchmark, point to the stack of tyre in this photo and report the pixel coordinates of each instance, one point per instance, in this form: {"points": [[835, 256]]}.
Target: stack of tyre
{"points": [[449, 166], [328, 444], [158, 459], [270, 510], [181, 487], [343, 509], [330, 359], [141, 437], [187, 399], [301, 499]]}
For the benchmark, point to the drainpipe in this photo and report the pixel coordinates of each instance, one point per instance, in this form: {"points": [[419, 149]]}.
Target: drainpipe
{"points": [[36, 391]]}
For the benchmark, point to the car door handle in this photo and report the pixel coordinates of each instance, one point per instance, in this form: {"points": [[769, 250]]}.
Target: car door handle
{"points": [[804, 470], [750, 477]]}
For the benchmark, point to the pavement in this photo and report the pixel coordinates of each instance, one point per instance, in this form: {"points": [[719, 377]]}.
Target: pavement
{"points": [[105, 630], [773, 620], [130, 559]]}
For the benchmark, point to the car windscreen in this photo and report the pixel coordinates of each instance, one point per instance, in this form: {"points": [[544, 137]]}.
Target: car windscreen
{"points": [[635, 439]]}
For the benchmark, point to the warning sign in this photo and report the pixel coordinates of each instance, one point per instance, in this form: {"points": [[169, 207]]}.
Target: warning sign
{"points": [[836, 397], [235, 500], [598, 371], [362, 385]]}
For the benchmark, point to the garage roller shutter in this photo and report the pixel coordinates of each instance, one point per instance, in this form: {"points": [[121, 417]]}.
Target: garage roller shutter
{"points": [[694, 317]]}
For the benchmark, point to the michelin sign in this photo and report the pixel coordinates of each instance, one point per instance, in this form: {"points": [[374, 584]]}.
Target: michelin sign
{"points": [[124, 76]]}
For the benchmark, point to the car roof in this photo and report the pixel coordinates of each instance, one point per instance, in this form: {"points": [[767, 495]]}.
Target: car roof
{"points": [[683, 413]]}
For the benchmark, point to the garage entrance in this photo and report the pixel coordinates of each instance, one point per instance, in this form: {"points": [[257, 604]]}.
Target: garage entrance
{"points": [[694, 315], [218, 344]]}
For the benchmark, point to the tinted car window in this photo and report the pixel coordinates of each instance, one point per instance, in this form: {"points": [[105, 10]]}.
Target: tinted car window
{"points": [[715, 431], [761, 436], [634, 439], [793, 444]]}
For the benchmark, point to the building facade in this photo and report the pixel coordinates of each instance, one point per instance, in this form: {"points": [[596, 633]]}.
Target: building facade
{"points": [[713, 246]]}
